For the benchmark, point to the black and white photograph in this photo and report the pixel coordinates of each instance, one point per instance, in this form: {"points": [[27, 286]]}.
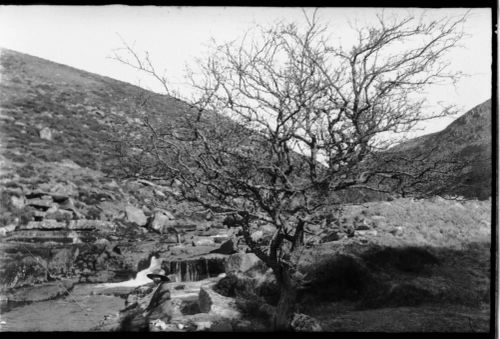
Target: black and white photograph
{"points": [[248, 169]]}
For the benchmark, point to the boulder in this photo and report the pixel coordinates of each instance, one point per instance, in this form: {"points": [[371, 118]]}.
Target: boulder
{"points": [[227, 247], [305, 323], [69, 204], [211, 302], [362, 227], [221, 238], [333, 236], [257, 235], [6, 229], [59, 215], [45, 133], [40, 202], [135, 215], [367, 233], [205, 241], [165, 213], [243, 262], [397, 231], [17, 202], [61, 192], [201, 322], [161, 221]]}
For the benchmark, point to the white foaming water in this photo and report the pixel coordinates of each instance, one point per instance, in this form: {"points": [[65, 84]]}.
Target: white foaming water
{"points": [[141, 277]]}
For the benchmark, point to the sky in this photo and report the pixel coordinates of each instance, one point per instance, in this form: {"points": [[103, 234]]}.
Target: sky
{"points": [[85, 36]]}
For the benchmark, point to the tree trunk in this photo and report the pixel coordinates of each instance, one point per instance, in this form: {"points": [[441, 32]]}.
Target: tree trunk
{"points": [[286, 304]]}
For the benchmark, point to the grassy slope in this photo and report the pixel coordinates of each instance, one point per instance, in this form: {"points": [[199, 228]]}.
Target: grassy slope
{"points": [[433, 276], [83, 109]]}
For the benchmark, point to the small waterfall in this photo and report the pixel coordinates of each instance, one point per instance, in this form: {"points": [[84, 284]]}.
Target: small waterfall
{"points": [[141, 277], [194, 270]]}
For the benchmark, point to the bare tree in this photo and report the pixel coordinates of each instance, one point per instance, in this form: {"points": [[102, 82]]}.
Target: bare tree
{"points": [[307, 119]]}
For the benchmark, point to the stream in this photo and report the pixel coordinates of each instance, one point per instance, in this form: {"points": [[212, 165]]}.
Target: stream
{"points": [[85, 306]]}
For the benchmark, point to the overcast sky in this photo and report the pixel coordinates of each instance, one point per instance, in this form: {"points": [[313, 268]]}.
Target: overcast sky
{"points": [[84, 37]]}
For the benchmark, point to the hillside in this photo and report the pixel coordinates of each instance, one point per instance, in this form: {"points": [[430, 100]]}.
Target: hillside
{"points": [[468, 138], [83, 111]]}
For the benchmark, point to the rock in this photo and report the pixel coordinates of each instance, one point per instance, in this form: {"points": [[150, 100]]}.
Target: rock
{"points": [[135, 215], [161, 221], [362, 227], [159, 193], [39, 215], [17, 202], [146, 210], [232, 221], [333, 236], [397, 231], [61, 192], [102, 241], [69, 164], [48, 224], [367, 233], [40, 203], [227, 247], [305, 323], [211, 302], [185, 225], [45, 133], [257, 235], [221, 238], [267, 229], [233, 284], [244, 262], [42, 292], [59, 215], [166, 213], [209, 241], [88, 225], [69, 204], [6, 229], [161, 325]]}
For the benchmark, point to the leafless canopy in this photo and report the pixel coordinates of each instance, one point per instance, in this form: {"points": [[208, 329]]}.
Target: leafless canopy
{"points": [[308, 118]]}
